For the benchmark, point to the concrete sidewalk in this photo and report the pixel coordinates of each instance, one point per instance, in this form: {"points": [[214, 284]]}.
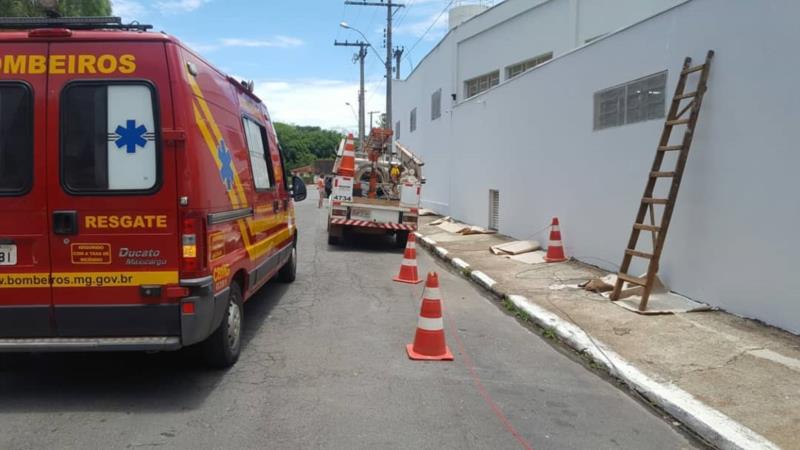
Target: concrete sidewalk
{"points": [[736, 382]]}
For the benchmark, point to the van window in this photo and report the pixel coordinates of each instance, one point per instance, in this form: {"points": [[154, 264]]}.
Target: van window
{"points": [[16, 139], [108, 137], [260, 163]]}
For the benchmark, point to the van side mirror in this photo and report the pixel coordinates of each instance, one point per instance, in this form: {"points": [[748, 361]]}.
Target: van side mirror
{"points": [[299, 191]]}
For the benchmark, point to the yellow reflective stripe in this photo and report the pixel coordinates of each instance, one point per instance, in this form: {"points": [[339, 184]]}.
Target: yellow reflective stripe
{"points": [[86, 279], [217, 134], [247, 227], [201, 124]]}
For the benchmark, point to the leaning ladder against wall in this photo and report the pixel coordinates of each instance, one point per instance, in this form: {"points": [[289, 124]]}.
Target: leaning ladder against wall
{"points": [[649, 199]]}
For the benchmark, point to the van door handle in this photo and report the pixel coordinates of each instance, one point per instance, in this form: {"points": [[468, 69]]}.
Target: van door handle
{"points": [[65, 222]]}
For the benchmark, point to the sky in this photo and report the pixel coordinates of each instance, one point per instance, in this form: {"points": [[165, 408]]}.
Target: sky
{"points": [[286, 48]]}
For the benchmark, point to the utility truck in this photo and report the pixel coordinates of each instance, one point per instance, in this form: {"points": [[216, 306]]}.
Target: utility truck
{"points": [[376, 190]]}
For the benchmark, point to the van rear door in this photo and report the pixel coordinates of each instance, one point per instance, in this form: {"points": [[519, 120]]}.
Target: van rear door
{"points": [[112, 199], [25, 294]]}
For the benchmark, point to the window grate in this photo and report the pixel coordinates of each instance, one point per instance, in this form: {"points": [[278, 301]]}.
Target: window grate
{"points": [[479, 84], [436, 104], [494, 209], [634, 101]]}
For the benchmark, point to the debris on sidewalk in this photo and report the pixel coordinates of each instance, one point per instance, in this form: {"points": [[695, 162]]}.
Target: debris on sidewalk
{"points": [[515, 247], [426, 212], [536, 257], [451, 226]]}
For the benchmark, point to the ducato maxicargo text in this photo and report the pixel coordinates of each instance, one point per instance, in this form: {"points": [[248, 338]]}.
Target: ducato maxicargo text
{"points": [[143, 193]]}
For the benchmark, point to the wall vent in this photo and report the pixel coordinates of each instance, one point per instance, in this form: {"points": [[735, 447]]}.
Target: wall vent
{"points": [[494, 209]]}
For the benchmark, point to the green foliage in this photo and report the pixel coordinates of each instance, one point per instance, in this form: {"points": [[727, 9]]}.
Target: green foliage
{"points": [[28, 8], [304, 145]]}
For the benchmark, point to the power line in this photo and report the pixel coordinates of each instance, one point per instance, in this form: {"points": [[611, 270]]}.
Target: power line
{"points": [[432, 25]]}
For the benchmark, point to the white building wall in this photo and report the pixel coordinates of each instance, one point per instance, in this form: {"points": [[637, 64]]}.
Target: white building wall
{"points": [[733, 240]]}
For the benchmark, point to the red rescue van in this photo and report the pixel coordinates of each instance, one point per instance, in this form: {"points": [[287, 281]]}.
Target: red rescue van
{"points": [[143, 196]]}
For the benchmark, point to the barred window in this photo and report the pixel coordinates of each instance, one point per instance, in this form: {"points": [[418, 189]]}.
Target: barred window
{"points": [[413, 120], [528, 64], [436, 104], [479, 84], [635, 101]]}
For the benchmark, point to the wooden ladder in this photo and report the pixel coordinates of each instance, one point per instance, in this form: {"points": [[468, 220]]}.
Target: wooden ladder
{"points": [[649, 202]]}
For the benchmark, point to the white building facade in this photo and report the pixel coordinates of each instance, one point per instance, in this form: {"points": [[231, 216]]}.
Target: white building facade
{"points": [[557, 106]]}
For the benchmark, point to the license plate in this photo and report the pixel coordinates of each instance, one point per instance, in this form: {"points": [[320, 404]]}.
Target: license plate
{"points": [[8, 255], [360, 213]]}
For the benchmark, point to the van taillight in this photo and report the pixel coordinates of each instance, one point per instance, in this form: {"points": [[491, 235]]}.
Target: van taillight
{"points": [[192, 261]]}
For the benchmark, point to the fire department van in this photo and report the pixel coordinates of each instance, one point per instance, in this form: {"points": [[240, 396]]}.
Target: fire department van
{"points": [[143, 196]]}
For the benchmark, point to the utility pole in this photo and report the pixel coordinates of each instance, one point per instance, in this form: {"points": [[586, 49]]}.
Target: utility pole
{"points": [[390, 10], [371, 113], [360, 56], [398, 53]]}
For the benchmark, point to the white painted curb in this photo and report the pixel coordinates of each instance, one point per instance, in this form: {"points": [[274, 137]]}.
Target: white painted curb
{"points": [[482, 279], [708, 422], [713, 425], [441, 251], [460, 263]]}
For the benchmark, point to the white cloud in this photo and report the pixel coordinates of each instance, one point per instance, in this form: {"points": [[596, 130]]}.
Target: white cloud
{"points": [[128, 9], [318, 102], [438, 26], [277, 41], [178, 6], [274, 42]]}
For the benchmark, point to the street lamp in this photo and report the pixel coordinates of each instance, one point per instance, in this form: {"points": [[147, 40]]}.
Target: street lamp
{"points": [[352, 110], [347, 26]]}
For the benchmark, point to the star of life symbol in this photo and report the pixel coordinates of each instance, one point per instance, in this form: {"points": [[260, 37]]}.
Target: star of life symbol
{"points": [[132, 136], [225, 171]]}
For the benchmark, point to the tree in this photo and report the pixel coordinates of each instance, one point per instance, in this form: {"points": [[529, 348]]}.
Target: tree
{"points": [[302, 145], [30, 8]]}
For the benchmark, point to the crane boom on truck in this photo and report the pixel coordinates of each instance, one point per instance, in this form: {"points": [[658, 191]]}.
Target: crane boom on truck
{"points": [[375, 192]]}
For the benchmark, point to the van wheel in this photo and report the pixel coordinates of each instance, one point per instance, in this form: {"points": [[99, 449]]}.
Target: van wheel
{"points": [[222, 348], [288, 272]]}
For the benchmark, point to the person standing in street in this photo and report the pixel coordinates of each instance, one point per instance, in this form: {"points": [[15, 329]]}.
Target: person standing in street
{"points": [[321, 191]]}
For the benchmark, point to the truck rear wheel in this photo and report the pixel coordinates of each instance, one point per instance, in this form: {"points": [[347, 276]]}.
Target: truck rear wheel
{"points": [[288, 272], [400, 239], [222, 348]]}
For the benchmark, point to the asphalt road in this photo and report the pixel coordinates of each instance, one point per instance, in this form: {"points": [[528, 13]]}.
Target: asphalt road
{"points": [[324, 366]]}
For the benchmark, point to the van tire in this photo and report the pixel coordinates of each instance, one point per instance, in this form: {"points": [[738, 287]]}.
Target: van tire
{"points": [[219, 350], [333, 240], [288, 272]]}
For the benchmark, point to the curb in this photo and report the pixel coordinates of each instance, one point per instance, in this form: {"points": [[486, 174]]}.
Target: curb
{"points": [[711, 424]]}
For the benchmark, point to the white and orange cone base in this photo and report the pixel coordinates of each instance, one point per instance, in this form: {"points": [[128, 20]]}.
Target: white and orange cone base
{"points": [[429, 343], [408, 268], [555, 248]]}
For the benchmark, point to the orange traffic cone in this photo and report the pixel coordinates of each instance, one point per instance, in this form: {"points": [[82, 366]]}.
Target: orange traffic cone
{"points": [[347, 168], [408, 268], [555, 249], [429, 343]]}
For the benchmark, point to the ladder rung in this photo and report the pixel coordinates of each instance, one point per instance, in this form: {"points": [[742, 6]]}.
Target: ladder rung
{"points": [[632, 280], [678, 122], [662, 174], [669, 148], [694, 69], [655, 201], [644, 227], [686, 95], [638, 253]]}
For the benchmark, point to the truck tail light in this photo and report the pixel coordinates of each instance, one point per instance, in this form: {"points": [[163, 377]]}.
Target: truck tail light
{"points": [[338, 212], [192, 260]]}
